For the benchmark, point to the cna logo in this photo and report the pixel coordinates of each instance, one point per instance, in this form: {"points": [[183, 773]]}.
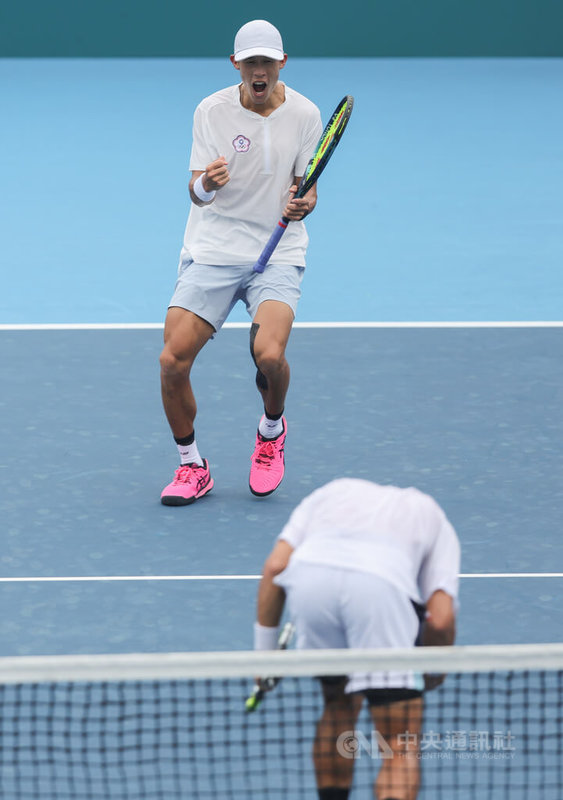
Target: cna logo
{"points": [[241, 144]]}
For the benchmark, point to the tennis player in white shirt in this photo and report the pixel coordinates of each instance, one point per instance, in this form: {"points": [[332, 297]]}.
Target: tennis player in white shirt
{"points": [[251, 145], [357, 563]]}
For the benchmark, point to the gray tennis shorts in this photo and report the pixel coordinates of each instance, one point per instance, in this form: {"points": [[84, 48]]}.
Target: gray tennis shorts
{"points": [[212, 291]]}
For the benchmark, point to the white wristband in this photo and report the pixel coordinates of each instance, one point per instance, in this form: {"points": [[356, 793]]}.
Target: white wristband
{"points": [[200, 192], [265, 638]]}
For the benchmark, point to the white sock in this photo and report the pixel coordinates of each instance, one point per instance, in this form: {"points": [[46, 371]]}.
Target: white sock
{"points": [[189, 454], [270, 428]]}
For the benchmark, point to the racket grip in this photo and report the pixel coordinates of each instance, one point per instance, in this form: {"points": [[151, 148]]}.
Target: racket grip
{"points": [[286, 636], [264, 257]]}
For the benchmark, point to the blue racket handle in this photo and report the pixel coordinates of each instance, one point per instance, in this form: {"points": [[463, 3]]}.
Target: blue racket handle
{"points": [[264, 257]]}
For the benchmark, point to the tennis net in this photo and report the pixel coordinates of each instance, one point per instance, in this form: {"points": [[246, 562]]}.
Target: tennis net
{"points": [[175, 726]]}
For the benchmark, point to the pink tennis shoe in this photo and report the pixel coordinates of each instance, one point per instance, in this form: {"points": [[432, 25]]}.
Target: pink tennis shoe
{"points": [[190, 482], [267, 463]]}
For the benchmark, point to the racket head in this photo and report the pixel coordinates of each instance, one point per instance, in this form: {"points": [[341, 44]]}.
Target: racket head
{"points": [[326, 145], [254, 700]]}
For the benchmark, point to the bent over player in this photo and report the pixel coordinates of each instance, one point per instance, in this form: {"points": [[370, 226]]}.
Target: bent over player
{"points": [[251, 145], [357, 562]]}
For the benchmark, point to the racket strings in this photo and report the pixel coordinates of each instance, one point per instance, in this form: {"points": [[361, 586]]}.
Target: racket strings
{"points": [[327, 143]]}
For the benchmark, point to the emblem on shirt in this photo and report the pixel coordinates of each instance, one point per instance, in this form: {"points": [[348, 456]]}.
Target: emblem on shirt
{"points": [[241, 144]]}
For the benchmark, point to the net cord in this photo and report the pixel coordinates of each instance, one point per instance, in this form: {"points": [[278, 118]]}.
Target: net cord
{"points": [[242, 664]]}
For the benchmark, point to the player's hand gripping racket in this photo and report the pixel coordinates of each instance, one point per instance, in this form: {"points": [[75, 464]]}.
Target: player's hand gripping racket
{"points": [[264, 685], [325, 148]]}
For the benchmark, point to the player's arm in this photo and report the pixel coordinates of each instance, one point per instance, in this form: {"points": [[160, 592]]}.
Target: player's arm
{"points": [[271, 597], [271, 600], [204, 183], [270, 603], [438, 582], [438, 629], [298, 208]]}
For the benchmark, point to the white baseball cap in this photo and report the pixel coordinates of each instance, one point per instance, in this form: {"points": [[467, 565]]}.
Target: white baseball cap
{"points": [[258, 38]]}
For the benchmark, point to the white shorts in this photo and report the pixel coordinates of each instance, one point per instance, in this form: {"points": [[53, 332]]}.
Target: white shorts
{"points": [[211, 291], [339, 608]]}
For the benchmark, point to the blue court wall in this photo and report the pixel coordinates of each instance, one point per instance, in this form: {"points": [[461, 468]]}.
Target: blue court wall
{"points": [[365, 28]]}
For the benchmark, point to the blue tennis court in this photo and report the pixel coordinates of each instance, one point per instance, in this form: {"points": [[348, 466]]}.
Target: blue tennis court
{"points": [[427, 348]]}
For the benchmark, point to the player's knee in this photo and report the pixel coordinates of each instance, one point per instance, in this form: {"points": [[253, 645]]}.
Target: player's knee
{"points": [[267, 354], [263, 368], [270, 361], [268, 357], [172, 364], [268, 365], [168, 361]]}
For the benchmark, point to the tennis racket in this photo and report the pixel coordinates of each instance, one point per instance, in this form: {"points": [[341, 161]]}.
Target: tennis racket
{"points": [[324, 150], [264, 685]]}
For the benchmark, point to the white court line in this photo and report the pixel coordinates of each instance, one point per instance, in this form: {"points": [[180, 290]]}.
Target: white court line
{"points": [[511, 575], [137, 326], [91, 578], [99, 578]]}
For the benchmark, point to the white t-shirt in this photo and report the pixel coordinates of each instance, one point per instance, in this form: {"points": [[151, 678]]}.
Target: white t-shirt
{"points": [[263, 154], [401, 535]]}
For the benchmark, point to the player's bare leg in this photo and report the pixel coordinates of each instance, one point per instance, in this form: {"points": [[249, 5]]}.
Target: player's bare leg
{"points": [[184, 336], [399, 724], [334, 748], [269, 335]]}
